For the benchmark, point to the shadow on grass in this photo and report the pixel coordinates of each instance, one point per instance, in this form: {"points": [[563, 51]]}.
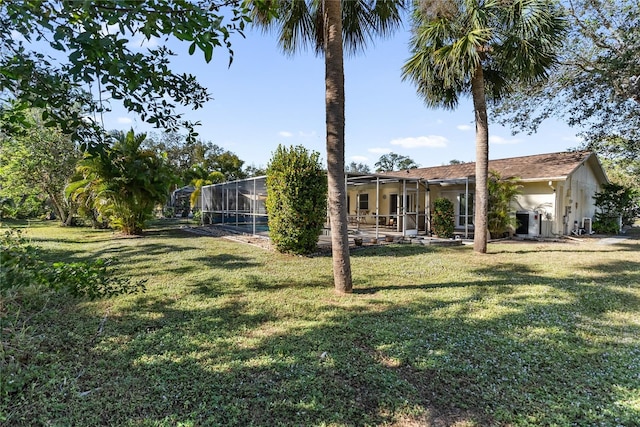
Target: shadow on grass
{"points": [[510, 347]]}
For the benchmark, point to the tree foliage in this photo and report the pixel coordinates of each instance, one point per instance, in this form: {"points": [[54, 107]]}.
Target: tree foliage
{"points": [[443, 223], [331, 28], [394, 162], [597, 85], [123, 182], [39, 161], [482, 49], [296, 199], [502, 192], [357, 167], [617, 205], [195, 159], [53, 52]]}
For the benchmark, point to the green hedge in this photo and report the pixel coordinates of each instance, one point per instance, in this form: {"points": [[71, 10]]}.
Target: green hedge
{"points": [[296, 199], [443, 218]]}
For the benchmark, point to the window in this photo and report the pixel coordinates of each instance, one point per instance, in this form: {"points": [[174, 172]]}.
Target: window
{"points": [[462, 209], [363, 202]]}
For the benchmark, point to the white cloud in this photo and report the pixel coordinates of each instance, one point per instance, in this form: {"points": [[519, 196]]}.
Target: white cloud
{"points": [[498, 140], [430, 141], [285, 134], [379, 150], [359, 159], [124, 120], [464, 128]]}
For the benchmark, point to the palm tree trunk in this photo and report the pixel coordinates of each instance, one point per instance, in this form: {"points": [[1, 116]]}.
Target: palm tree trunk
{"points": [[480, 233], [334, 96]]}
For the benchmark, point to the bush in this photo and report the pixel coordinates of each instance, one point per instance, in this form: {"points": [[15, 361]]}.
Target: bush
{"points": [[614, 202], [606, 224], [502, 191], [443, 218], [296, 199], [21, 266], [19, 261]]}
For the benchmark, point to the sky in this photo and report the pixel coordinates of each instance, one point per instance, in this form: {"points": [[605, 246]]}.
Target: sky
{"points": [[266, 98]]}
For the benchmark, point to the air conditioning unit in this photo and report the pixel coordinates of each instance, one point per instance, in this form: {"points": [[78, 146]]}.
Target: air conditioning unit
{"points": [[529, 223], [586, 225]]}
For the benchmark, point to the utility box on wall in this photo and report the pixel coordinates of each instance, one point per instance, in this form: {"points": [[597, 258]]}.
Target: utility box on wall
{"points": [[529, 223]]}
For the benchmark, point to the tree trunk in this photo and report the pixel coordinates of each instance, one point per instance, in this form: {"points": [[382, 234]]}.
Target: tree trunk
{"points": [[480, 233], [334, 96], [59, 209]]}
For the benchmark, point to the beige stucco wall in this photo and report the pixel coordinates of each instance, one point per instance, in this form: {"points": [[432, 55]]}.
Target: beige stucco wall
{"points": [[575, 197], [559, 202]]}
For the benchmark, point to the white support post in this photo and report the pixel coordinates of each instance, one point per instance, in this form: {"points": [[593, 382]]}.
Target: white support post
{"points": [[377, 207], [466, 209]]}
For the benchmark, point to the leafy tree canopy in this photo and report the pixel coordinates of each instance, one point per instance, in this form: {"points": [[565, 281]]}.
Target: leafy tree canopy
{"points": [[195, 159], [597, 84], [394, 162], [123, 181], [38, 161], [52, 52], [358, 168]]}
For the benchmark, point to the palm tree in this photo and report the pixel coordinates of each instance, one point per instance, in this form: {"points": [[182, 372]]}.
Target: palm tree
{"points": [[198, 177], [332, 26], [123, 182], [482, 48]]}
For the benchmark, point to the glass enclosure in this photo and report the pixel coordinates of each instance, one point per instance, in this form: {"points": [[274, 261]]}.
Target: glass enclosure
{"points": [[240, 204]]}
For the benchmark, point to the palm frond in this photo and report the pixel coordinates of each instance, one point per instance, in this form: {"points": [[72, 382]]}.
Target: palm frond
{"points": [[300, 23]]}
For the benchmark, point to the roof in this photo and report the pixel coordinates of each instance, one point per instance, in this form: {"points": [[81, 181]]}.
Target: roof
{"points": [[539, 167]]}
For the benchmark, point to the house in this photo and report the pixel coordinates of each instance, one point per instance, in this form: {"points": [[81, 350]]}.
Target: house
{"points": [[557, 194]]}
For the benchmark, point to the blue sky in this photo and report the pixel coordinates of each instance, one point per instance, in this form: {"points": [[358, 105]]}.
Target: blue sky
{"points": [[267, 98]]}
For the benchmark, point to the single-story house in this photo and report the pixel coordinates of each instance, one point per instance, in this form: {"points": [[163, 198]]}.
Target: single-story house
{"points": [[556, 195]]}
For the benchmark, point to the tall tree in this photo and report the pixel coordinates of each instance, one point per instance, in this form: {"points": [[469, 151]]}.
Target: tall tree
{"points": [[184, 155], [596, 88], [332, 27], [39, 158], [394, 162], [481, 48]]}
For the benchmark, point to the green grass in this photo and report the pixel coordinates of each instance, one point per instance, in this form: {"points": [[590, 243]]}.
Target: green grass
{"points": [[227, 334]]}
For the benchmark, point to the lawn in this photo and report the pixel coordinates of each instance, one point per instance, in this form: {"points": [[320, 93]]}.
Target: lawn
{"points": [[227, 334]]}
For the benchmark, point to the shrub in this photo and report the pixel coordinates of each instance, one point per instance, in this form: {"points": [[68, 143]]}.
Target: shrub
{"points": [[614, 202], [19, 261], [502, 191], [443, 217], [21, 266], [296, 199]]}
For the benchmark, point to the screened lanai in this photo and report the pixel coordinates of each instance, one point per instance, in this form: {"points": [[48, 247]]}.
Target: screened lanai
{"points": [[377, 204], [239, 204]]}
